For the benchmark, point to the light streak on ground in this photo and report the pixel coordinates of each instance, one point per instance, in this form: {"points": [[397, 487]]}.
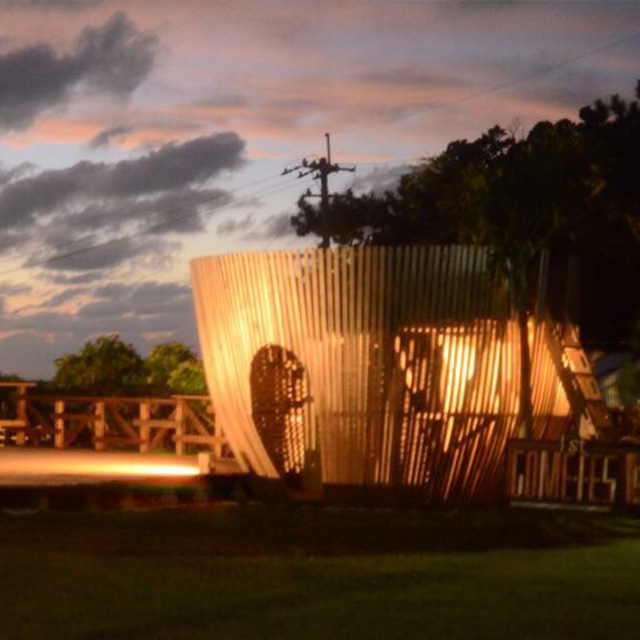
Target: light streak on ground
{"points": [[72, 467]]}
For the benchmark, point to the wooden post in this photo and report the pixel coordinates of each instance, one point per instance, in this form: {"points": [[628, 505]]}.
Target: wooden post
{"points": [[21, 414], [217, 447], [512, 465], [100, 427], [58, 424], [145, 429], [580, 479], [180, 429]]}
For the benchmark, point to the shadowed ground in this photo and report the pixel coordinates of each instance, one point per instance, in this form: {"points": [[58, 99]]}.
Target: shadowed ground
{"points": [[256, 572]]}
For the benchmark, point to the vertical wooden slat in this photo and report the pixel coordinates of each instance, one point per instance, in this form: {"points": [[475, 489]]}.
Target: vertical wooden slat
{"points": [[21, 415], [145, 430], [59, 424], [179, 417], [99, 427]]}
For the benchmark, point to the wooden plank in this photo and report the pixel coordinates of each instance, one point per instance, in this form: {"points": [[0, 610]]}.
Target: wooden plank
{"points": [[99, 426], [117, 440], [35, 413], [88, 400], [180, 429], [111, 411], [145, 429], [21, 414], [153, 423], [17, 385], [13, 424], [72, 436], [212, 440], [194, 420], [82, 418], [59, 425]]}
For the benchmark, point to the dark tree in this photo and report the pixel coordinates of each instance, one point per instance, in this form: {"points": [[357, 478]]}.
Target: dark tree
{"points": [[578, 180], [569, 187], [162, 364], [105, 367]]}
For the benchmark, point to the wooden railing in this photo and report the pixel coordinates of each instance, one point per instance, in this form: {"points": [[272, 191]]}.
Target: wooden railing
{"points": [[183, 423], [581, 473]]}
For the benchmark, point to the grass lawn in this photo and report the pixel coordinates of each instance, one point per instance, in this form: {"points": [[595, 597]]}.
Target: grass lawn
{"points": [[258, 572]]}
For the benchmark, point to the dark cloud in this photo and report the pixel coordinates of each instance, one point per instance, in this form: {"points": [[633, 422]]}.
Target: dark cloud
{"points": [[182, 211], [230, 100], [113, 307], [72, 280], [9, 174], [142, 314], [107, 255], [64, 213], [172, 167], [56, 300], [271, 228], [232, 226], [64, 296], [51, 5], [103, 139], [113, 59], [12, 240], [100, 257], [147, 299], [491, 6], [381, 179], [13, 289], [410, 76]]}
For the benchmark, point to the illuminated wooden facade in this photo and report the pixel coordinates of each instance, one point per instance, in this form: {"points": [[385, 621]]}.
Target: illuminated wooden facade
{"points": [[391, 371]]}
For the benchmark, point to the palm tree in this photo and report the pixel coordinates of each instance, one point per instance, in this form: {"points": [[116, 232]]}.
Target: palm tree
{"points": [[534, 194]]}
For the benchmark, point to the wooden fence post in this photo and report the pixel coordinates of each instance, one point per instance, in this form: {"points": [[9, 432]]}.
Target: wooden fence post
{"points": [[100, 427], [180, 428], [217, 447], [58, 424], [21, 414], [145, 429]]}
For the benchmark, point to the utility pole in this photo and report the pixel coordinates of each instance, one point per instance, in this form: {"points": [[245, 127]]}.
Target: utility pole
{"points": [[322, 169]]}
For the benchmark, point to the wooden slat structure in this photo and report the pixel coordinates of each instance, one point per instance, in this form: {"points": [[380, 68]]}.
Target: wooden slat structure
{"points": [[185, 424], [391, 371]]}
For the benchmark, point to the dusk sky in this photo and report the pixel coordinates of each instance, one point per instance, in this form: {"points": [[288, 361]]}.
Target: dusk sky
{"points": [[156, 132]]}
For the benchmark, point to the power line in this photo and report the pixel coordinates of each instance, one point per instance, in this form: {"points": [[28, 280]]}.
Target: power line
{"points": [[499, 87], [323, 172], [199, 203], [530, 76], [166, 212], [510, 83], [152, 229]]}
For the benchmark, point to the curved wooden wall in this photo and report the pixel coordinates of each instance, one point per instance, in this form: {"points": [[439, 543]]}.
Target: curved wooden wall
{"points": [[390, 368]]}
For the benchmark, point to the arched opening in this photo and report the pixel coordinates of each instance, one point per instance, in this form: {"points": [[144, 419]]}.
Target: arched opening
{"points": [[279, 400]]}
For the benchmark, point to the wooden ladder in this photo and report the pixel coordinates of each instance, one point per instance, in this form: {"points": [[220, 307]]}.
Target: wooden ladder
{"points": [[574, 370]]}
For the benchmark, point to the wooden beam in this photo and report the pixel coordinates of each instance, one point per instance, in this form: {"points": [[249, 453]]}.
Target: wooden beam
{"points": [[156, 424], [145, 429], [212, 440]]}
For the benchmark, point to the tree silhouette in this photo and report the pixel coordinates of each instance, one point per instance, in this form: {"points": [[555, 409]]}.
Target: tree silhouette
{"points": [[104, 367], [569, 186]]}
